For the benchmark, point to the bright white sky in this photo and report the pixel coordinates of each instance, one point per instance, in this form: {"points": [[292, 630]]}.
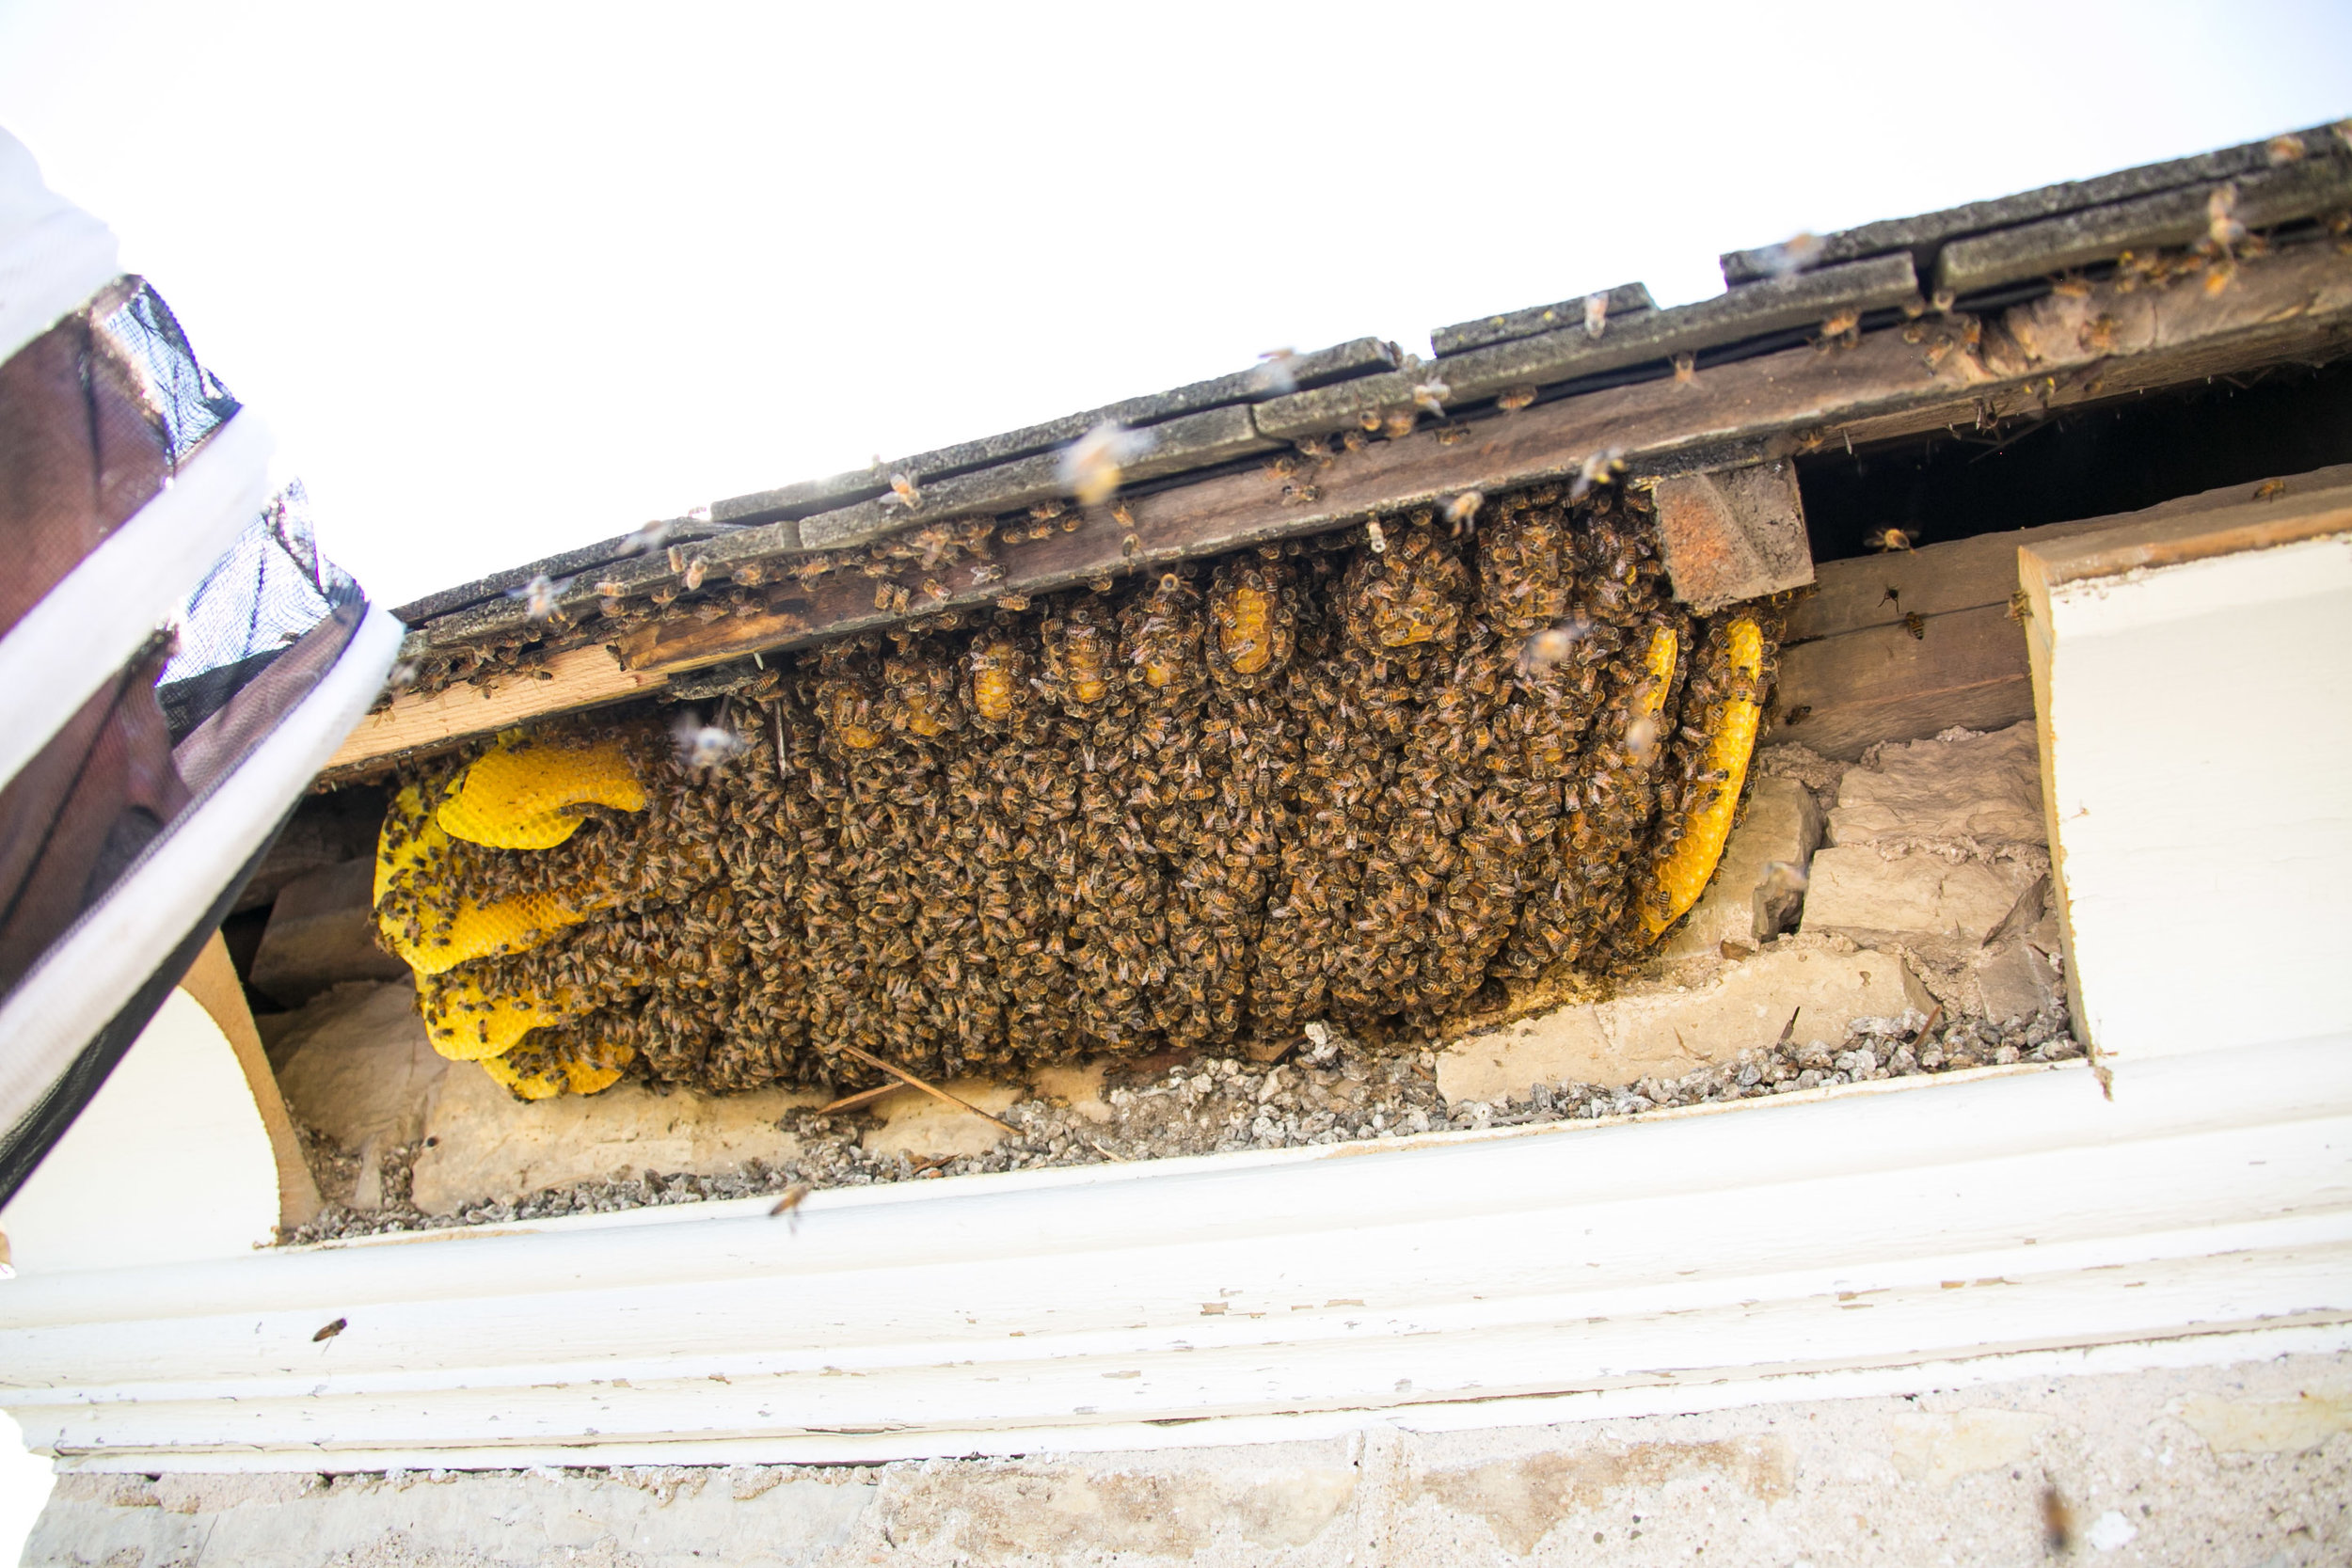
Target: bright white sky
{"points": [[506, 278]]}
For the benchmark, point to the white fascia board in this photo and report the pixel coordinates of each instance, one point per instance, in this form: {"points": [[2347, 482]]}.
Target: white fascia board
{"points": [[1895, 1233], [2199, 729]]}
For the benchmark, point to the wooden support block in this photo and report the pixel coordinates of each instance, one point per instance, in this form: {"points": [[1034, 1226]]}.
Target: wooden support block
{"points": [[1733, 534]]}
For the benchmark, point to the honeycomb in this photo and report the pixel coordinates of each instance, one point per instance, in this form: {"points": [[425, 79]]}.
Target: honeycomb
{"points": [[1367, 778]]}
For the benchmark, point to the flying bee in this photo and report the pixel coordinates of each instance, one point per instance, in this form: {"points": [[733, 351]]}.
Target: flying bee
{"points": [[2284, 149], [789, 1203], [702, 747], [1598, 469], [540, 596], [1273, 377], [647, 539], [693, 577], [1596, 314], [1430, 395], [1462, 511], [1552, 647], [1091, 467], [904, 492], [2222, 227], [1792, 255], [1886, 538]]}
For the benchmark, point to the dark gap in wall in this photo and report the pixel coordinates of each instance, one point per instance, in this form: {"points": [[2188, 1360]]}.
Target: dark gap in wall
{"points": [[2080, 462]]}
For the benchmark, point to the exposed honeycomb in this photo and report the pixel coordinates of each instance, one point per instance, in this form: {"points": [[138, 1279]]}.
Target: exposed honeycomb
{"points": [[1320, 779]]}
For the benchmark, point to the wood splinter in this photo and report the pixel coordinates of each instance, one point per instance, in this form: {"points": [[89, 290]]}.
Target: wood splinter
{"points": [[932, 1089]]}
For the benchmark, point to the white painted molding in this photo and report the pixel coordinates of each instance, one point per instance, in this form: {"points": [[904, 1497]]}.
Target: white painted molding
{"points": [[1863, 1240], [2196, 721]]}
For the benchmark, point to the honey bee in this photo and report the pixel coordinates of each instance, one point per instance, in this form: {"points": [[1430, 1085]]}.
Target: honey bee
{"points": [[1791, 256], [540, 596], [1686, 368], [1517, 398], [1600, 468], [1917, 624], [645, 540], [1840, 329], [1091, 467], [2270, 489]]}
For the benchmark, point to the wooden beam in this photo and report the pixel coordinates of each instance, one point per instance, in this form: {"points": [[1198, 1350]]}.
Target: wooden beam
{"points": [[1966, 573], [419, 724], [2058, 351], [1853, 673], [1846, 693]]}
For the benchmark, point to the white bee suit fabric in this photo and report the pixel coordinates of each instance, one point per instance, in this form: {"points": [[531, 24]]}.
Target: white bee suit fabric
{"points": [[177, 662]]}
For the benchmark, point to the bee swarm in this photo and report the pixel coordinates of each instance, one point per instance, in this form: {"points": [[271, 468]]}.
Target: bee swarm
{"points": [[1318, 780]]}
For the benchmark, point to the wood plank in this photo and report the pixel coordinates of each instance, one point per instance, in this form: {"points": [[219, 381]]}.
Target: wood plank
{"points": [[211, 980], [414, 725], [2294, 305], [1851, 691], [1646, 337], [2176, 541]]}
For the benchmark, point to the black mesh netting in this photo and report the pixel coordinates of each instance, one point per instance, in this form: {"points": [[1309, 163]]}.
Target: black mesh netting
{"points": [[188, 400], [269, 589], [271, 586]]}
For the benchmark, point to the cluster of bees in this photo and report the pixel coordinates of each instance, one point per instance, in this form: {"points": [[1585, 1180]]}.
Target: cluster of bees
{"points": [[1360, 777]]}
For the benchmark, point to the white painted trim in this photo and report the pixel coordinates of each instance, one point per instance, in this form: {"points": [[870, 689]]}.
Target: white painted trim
{"points": [[2182, 839], [77, 639], [1871, 1241], [52, 255], [84, 977]]}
